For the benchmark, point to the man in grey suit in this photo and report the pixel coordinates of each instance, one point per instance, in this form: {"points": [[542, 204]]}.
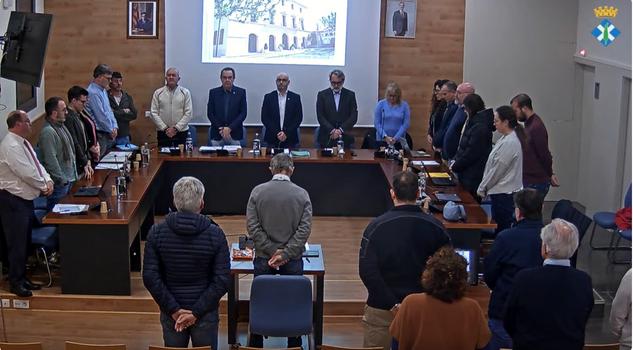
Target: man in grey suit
{"points": [[337, 112]]}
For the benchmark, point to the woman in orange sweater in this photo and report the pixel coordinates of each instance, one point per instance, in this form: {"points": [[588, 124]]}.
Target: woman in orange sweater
{"points": [[441, 318]]}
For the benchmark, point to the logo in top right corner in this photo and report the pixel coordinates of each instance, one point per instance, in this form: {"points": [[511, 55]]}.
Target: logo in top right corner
{"points": [[605, 32]]}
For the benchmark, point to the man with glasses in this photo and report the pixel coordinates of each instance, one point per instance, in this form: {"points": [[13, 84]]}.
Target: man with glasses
{"points": [[22, 179], [99, 108], [57, 150], [282, 114], [337, 112], [456, 126], [77, 98], [226, 110]]}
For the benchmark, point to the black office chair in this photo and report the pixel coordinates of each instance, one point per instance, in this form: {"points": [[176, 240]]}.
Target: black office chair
{"points": [[565, 210]]}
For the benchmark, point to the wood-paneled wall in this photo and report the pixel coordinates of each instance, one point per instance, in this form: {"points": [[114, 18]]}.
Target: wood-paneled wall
{"points": [[86, 33]]}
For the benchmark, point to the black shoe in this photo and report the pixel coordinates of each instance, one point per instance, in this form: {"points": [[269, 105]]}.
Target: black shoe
{"points": [[30, 285], [21, 291]]}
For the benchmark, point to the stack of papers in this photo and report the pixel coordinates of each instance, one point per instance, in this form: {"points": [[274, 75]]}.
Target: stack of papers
{"points": [[300, 153], [70, 208], [112, 166], [203, 149]]}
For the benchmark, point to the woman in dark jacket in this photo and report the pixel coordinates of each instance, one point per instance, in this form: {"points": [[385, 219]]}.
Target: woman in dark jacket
{"points": [[438, 105], [475, 144]]}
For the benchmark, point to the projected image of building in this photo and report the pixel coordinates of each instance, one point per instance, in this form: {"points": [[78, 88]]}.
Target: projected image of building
{"points": [[273, 29]]}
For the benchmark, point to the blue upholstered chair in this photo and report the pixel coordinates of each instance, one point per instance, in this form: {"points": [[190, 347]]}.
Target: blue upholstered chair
{"points": [[606, 220], [566, 211], [44, 241], [317, 145], [194, 135], [281, 306]]}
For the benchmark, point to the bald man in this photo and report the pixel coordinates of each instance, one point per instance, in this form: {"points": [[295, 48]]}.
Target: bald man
{"points": [[454, 130], [171, 111], [282, 114]]}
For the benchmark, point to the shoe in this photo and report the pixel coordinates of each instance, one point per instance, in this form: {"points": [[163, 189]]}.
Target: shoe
{"points": [[30, 285], [21, 291]]}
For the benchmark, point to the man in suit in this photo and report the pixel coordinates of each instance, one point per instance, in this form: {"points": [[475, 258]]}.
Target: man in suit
{"points": [[226, 109], [453, 133], [447, 93], [400, 21], [549, 306], [282, 114], [337, 112]]}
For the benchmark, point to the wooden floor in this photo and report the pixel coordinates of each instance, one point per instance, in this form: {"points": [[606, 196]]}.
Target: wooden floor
{"points": [[53, 318]]}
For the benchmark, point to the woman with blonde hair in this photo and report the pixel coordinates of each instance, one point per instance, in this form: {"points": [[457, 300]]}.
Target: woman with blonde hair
{"points": [[392, 117], [442, 317]]}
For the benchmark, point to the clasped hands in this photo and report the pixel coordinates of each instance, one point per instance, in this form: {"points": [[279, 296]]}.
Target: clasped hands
{"points": [[171, 131], [49, 189], [225, 132], [184, 319], [335, 134], [277, 259]]}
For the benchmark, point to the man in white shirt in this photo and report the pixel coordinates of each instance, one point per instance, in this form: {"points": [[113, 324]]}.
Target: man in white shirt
{"points": [[22, 179], [282, 114], [171, 111]]}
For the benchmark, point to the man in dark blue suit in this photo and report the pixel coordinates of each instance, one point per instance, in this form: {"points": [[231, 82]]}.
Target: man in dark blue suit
{"points": [[282, 114], [226, 110], [448, 93], [453, 133], [549, 306], [337, 112]]}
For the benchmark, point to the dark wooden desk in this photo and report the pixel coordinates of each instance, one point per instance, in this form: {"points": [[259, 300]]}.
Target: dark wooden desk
{"points": [[314, 266], [99, 250]]}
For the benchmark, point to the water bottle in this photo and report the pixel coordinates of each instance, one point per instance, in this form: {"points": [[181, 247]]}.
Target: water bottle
{"points": [[189, 144], [145, 155], [121, 185], [422, 181], [341, 147], [256, 145]]}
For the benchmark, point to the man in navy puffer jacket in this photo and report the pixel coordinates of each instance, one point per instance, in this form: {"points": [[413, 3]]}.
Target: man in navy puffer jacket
{"points": [[186, 269]]}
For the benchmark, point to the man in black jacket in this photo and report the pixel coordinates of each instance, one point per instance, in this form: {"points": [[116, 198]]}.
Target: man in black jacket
{"points": [[513, 250], [282, 114], [393, 253], [122, 105], [549, 306], [77, 98], [186, 269]]}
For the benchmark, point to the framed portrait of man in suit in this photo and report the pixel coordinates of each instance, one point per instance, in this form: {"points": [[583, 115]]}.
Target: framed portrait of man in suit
{"points": [[400, 19], [142, 19]]}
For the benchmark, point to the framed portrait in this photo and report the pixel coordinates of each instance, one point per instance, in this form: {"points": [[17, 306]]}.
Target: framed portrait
{"points": [[142, 19], [400, 19]]}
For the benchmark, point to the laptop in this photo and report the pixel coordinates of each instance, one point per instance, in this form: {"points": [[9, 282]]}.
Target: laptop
{"points": [[442, 181]]}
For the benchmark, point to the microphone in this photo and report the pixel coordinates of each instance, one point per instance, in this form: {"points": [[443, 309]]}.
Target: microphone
{"points": [[382, 124]]}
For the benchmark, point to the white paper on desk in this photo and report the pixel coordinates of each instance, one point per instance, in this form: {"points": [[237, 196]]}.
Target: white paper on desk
{"points": [[430, 163], [70, 208], [209, 148], [232, 148], [113, 166], [417, 163], [115, 157]]}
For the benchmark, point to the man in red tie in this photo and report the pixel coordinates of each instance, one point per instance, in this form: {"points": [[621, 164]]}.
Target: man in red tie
{"points": [[22, 179]]}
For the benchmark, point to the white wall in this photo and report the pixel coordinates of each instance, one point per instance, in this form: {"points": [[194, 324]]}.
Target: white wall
{"points": [[514, 46], [7, 95], [602, 168]]}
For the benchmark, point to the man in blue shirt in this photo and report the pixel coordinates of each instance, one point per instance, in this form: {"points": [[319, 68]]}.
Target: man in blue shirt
{"points": [[514, 249], [99, 107]]}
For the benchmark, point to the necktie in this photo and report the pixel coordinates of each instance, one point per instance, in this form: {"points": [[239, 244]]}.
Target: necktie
{"points": [[37, 164]]}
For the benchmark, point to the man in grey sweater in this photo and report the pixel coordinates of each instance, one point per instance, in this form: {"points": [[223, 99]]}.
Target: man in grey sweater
{"points": [[279, 220]]}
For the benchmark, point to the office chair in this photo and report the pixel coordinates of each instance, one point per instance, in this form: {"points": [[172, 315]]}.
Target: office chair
{"points": [[194, 135], [81, 346], [156, 347], [566, 211], [606, 220], [21, 346]]}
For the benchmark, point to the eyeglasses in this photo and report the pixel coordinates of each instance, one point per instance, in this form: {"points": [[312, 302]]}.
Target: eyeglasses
{"points": [[109, 77], [336, 83], [282, 80]]}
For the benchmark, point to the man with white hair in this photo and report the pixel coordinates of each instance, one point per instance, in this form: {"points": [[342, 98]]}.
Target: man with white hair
{"points": [[171, 111], [549, 306], [186, 269], [279, 220]]}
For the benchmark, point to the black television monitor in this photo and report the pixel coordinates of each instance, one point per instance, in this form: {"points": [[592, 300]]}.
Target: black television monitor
{"points": [[25, 44]]}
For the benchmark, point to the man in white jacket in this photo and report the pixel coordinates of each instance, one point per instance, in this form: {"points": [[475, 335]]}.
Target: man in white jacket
{"points": [[171, 111]]}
